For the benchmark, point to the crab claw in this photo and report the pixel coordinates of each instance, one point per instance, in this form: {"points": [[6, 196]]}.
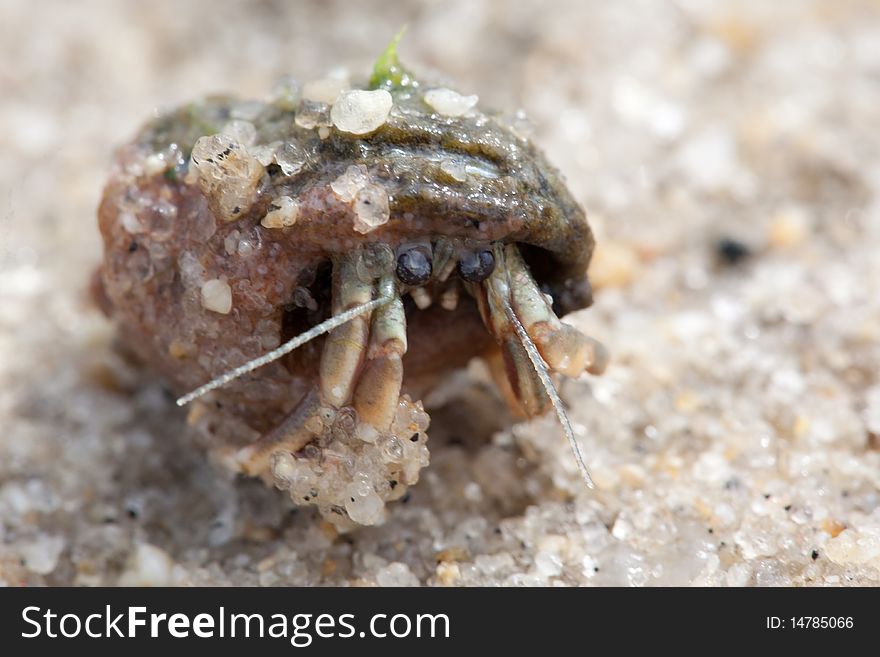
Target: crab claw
{"points": [[564, 349], [568, 351]]}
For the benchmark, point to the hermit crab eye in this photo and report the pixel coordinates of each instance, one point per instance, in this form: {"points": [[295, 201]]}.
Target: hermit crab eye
{"points": [[414, 267], [476, 266]]}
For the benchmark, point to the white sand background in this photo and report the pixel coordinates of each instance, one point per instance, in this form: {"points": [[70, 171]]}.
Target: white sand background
{"points": [[735, 439]]}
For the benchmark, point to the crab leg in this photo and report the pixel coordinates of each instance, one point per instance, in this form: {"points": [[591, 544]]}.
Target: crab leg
{"points": [[497, 364], [345, 345], [341, 359], [516, 312], [565, 349], [378, 387], [291, 436], [515, 367]]}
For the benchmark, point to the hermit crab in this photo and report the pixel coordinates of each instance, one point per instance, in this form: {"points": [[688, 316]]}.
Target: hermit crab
{"points": [[305, 267]]}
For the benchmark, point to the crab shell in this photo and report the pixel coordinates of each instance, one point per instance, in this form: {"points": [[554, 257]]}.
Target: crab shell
{"points": [[230, 227]]}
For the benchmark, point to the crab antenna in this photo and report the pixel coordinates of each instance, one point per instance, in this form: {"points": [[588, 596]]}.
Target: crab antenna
{"points": [[319, 329], [547, 382]]}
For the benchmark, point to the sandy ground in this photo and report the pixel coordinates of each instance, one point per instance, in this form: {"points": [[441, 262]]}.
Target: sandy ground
{"points": [[728, 156]]}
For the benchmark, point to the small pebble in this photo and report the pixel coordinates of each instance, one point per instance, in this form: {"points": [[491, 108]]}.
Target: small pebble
{"points": [[396, 574], [731, 251], [326, 90], [351, 182], [361, 112], [284, 215], [614, 264], [448, 102], [217, 296], [371, 208], [788, 228], [148, 565]]}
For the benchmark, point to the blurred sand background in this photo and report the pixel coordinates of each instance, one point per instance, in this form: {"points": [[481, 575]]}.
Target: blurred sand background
{"points": [[727, 153]]}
